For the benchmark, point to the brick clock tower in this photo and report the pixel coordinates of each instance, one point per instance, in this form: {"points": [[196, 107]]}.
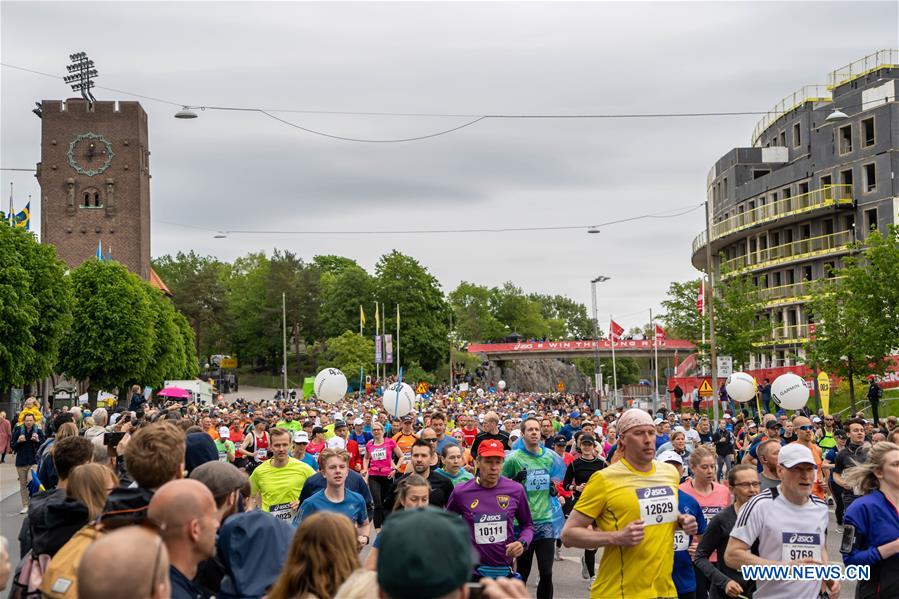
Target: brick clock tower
{"points": [[94, 176]]}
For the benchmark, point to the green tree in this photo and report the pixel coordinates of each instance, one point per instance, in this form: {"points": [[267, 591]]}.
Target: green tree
{"points": [[167, 355], [424, 312], [518, 312], [566, 318], [681, 318], [473, 320], [341, 296], [199, 286], [112, 334], [35, 307], [189, 364], [627, 370], [350, 352], [245, 301], [739, 320], [857, 314]]}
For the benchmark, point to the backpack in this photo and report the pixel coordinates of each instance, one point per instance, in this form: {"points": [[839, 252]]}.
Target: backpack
{"points": [[60, 580], [29, 577]]}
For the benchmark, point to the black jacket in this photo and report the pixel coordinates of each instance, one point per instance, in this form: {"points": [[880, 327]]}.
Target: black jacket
{"points": [[441, 489], [26, 451], [52, 520], [127, 505], [714, 539]]}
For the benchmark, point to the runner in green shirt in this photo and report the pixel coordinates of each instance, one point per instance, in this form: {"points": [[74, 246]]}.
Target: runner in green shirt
{"points": [[289, 423], [452, 465], [224, 446], [276, 484]]}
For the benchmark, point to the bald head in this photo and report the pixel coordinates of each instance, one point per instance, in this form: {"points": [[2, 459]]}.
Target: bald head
{"points": [[178, 502], [185, 510], [148, 566]]}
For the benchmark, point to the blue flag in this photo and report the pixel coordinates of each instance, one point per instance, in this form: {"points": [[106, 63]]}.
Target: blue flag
{"points": [[99, 250]]}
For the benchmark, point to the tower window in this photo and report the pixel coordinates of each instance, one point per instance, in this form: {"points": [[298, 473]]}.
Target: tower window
{"points": [[90, 198], [870, 177], [797, 136], [845, 139]]}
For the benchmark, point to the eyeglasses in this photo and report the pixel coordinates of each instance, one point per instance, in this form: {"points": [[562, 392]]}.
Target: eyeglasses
{"points": [[806, 427], [750, 485], [430, 439]]}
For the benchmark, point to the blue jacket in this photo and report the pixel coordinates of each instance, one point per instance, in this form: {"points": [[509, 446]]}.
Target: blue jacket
{"points": [[876, 522], [682, 571], [26, 451], [253, 547]]}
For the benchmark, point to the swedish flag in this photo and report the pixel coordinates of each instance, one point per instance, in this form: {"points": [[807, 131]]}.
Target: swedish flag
{"points": [[22, 220]]}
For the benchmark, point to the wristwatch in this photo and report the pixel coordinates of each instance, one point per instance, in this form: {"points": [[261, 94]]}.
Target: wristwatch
{"points": [[367, 539], [523, 544]]}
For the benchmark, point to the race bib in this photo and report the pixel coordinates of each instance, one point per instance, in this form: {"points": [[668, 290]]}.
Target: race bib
{"points": [[537, 480], [800, 545], [379, 453], [681, 540], [490, 530], [362, 450], [261, 454], [282, 511], [657, 505], [223, 456]]}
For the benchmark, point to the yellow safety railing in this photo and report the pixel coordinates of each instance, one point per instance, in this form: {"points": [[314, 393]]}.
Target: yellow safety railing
{"points": [[793, 292], [882, 59], [784, 334], [827, 196], [807, 93], [796, 250]]}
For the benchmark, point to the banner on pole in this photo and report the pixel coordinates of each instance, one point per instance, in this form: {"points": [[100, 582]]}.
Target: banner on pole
{"points": [[388, 349], [379, 358], [824, 391], [725, 366]]}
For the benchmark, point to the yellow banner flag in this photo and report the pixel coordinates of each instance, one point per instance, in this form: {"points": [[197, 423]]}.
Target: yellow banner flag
{"points": [[824, 391], [377, 320], [361, 317]]}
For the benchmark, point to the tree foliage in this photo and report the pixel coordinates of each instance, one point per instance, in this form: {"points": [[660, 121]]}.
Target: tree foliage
{"points": [[681, 318], [35, 307], [111, 337], [350, 352]]}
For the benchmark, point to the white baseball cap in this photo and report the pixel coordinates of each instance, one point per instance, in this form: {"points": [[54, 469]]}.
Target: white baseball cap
{"points": [[224, 433], [301, 437], [793, 454], [671, 456], [358, 421]]}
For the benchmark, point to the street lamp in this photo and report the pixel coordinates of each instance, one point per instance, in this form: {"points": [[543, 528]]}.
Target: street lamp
{"points": [[185, 113], [597, 375], [836, 116], [709, 303]]}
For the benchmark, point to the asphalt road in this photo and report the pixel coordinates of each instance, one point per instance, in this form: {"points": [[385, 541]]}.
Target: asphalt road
{"points": [[566, 574]]}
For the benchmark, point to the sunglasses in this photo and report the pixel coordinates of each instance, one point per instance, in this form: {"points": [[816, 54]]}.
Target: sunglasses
{"points": [[806, 427]]}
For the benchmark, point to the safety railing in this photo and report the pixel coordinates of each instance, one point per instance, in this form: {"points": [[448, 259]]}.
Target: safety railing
{"points": [[794, 291], [827, 196], [882, 59], [787, 334], [796, 250], [808, 93]]}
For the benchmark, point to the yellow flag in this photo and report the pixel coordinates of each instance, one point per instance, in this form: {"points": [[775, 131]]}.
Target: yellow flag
{"points": [[824, 391], [397, 316], [361, 317], [377, 320]]}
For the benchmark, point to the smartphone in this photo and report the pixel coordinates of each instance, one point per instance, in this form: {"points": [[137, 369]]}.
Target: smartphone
{"points": [[475, 590], [112, 439], [848, 538]]}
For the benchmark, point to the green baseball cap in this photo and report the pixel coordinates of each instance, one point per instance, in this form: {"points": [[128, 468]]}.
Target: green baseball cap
{"points": [[411, 569]]}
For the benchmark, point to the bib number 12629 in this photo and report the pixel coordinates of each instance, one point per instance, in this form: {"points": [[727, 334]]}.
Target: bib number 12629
{"points": [[658, 505]]}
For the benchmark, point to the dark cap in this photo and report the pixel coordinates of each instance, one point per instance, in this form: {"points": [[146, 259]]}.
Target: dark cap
{"points": [[560, 440], [406, 417], [221, 478], [587, 439], [772, 424], [340, 424], [318, 430], [417, 570]]}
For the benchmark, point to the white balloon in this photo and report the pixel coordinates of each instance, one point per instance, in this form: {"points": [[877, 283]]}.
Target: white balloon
{"points": [[481, 392], [330, 385], [399, 399], [741, 387], [501, 385], [789, 391]]}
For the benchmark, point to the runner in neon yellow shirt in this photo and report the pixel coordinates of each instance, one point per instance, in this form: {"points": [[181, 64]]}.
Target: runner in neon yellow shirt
{"points": [[276, 483]]}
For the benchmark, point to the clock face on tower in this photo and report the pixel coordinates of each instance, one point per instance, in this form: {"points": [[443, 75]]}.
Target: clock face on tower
{"points": [[90, 154]]}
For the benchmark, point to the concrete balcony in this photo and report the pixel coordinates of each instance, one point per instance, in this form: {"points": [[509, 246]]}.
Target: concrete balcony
{"points": [[783, 212], [804, 249], [783, 334], [795, 293]]}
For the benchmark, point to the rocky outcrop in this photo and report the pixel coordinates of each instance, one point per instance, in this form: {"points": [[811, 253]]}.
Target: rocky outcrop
{"points": [[538, 375]]}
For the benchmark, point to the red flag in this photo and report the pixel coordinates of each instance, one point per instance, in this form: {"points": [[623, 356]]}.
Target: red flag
{"points": [[660, 333], [615, 331], [700, 300]]}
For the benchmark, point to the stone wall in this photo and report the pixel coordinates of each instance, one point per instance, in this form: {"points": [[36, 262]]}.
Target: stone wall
{"points": [[539, 375]]}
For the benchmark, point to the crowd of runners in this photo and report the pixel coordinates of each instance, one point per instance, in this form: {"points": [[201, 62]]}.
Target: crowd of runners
{"points": [[459, 498]]}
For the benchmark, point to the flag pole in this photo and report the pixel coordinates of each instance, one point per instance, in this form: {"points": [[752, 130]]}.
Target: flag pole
{"points": [[397, 339], [613, 337], [377, 332], [655, 359]]}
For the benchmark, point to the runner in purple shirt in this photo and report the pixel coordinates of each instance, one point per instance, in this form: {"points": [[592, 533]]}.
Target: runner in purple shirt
{"points": [[490, 504]]}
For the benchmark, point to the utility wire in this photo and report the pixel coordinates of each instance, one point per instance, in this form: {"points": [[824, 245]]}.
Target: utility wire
{"points": [[674, 213]]}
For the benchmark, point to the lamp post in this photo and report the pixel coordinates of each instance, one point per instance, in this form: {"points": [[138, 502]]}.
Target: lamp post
{"points": [[710, 303], [597, 370]]}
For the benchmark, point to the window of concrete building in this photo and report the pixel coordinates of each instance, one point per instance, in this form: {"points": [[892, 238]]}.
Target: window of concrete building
{"points": [[783, 139], [827, 227], [760, 172], [805, 231], [803, 188], [797, 135], [788, 236], [781, 358], [790, 277], [778, 279], [786, 193], [850, 222], [846, 177], [868, 132], [844, 139], [870, 177], [724, 188], [829, 268], [826, 185], [807, 273], [870, 219], [90, 198]]}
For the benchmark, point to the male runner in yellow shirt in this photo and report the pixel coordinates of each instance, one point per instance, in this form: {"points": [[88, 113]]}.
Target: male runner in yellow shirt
{"points": [[276, 483], [630, 508]]}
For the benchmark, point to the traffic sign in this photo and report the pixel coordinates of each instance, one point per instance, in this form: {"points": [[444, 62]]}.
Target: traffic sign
{"points": [[560, 387], [705, 390], [228, 363], [725, 366]]}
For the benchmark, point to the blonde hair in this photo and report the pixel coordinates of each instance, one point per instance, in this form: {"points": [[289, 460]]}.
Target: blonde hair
{"points": [[67, 429], [362, 584], [329, 453], [322, 556], [89, 484], [863, 477], [699, 454]]}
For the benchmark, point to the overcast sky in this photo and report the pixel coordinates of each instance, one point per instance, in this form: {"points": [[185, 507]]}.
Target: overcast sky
{"points": [[231, 170]]}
